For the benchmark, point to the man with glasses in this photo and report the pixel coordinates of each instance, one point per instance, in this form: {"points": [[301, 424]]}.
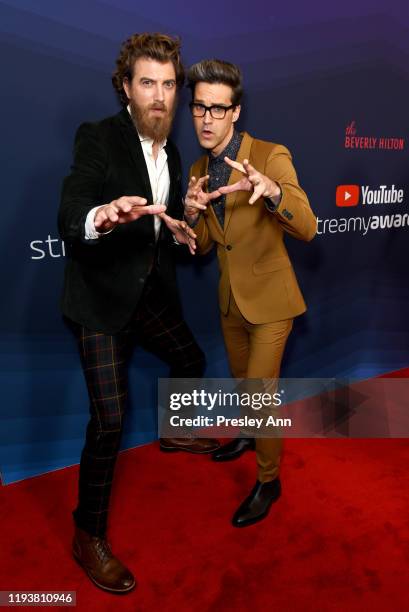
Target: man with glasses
{"points": [[258, 291]]}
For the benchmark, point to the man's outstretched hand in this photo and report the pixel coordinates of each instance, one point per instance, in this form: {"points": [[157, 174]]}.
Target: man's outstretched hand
{"points": [[260, 185], [123, 210], [196, 199], [181, 231]]}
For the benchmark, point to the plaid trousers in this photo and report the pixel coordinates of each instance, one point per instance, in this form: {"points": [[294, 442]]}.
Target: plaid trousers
{"points": [[158, 327]]}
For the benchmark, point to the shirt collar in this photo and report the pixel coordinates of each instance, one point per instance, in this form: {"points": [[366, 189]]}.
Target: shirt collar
{"points": [[231, 149]]}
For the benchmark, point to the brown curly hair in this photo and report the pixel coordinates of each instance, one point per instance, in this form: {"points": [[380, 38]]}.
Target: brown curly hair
{"points": [[159, 47]]}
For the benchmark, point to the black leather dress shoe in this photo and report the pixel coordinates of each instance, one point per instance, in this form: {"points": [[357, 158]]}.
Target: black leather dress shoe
{"points": [[233, 449], [256, 506]]}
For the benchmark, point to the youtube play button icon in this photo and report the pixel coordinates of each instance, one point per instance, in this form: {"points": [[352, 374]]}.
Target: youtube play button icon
{"points": [[347, 195]]}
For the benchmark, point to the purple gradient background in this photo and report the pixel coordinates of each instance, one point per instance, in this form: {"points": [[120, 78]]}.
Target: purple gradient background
{"points": [[309, 70]]}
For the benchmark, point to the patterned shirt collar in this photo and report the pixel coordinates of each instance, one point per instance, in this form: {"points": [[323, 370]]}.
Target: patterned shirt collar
{"points": [[231, 150]]}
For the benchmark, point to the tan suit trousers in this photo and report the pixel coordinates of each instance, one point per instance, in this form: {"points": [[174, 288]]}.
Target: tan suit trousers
{"points": [[255, 351]]}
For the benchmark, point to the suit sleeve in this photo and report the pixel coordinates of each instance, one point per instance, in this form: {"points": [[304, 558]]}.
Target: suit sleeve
{"points": [[294, 212], [82, 188], [204, 242]]}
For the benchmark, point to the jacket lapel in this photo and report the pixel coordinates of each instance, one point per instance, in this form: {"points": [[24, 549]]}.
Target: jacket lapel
{"points": [[199, 169], [174, 175], [131, 138], [231, 198]]}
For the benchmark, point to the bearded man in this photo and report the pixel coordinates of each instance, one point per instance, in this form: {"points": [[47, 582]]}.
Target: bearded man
{"points": [[120, 286]]}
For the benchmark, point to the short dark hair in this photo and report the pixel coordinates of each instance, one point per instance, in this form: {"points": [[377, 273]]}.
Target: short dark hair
{"points": [[217, 71], [160, 47]]}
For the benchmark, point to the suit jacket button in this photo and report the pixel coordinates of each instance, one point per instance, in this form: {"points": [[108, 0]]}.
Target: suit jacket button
{"points": [[229, 247], [141, 280]]}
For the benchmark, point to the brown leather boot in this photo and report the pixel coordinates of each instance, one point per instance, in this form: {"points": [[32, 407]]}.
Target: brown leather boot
{"points": [[95, 557], [197, 446]]}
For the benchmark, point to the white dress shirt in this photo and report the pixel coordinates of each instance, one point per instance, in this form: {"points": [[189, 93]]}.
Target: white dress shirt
{"points": [[159, 179]]}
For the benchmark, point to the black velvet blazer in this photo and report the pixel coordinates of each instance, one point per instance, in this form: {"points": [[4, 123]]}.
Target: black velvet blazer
{"points": [[104, 278]]}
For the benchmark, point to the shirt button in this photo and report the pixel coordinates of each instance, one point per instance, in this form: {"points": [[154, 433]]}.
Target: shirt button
{"points": [[229, 247]]}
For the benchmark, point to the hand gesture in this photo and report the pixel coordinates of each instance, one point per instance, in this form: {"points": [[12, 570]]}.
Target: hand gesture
{"points": [[260, 185], [181, 231], [196, 199], [123, 210]]}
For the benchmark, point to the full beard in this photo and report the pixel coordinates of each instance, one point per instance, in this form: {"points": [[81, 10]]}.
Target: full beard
{"points": [[157, 128]]}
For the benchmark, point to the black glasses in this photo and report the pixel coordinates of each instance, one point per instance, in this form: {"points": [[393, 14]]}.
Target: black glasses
{"points": [[216, 111]]}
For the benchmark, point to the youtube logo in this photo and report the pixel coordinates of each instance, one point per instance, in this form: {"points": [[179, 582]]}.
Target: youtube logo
{"points": [[347, 195]]}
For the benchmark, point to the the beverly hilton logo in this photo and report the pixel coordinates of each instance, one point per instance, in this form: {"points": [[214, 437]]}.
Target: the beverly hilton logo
{"points": [[354, 141]]}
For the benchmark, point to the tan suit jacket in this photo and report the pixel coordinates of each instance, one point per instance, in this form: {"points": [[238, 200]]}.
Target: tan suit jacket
{"points": [[253, 260]]}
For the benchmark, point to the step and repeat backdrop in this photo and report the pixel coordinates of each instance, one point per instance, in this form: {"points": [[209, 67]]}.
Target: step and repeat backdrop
{"points": [[328, 80]]}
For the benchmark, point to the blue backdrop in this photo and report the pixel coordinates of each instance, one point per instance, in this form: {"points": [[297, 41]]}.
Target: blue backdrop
{"points": [[328, 80]]}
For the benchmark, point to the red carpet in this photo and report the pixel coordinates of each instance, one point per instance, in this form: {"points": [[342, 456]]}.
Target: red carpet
{"points": [[337, 540]]}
